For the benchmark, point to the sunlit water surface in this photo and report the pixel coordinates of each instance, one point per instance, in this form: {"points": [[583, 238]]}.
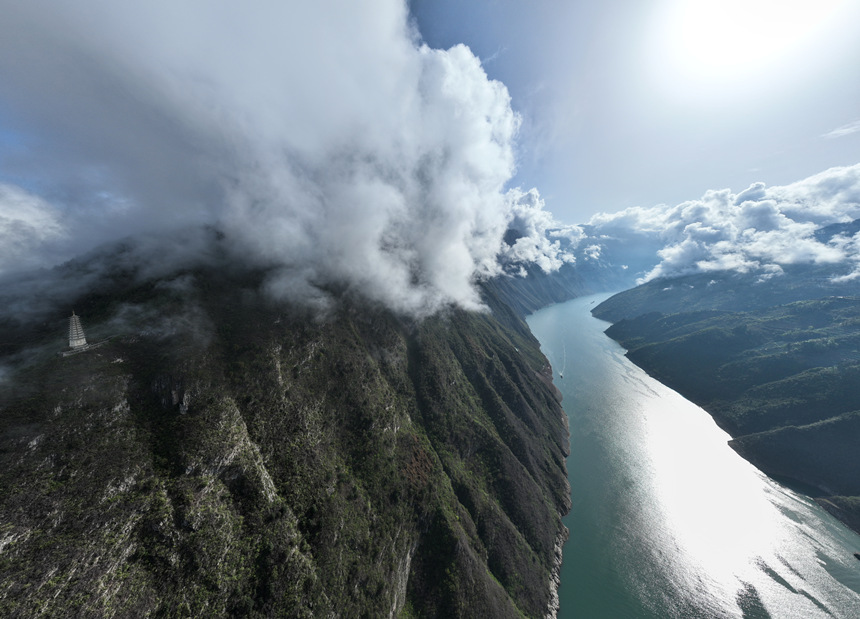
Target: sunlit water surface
{"points": [[667, 520]]}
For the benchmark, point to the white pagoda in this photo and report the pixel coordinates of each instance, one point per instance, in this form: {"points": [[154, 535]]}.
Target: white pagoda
{"points": [[77, 339]]}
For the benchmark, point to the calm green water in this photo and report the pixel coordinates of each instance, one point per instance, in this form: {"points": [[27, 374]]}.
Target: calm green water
{"points": [[667, 520]]}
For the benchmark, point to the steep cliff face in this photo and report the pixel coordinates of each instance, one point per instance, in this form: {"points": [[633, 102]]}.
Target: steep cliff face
{"points": [[222, 454]]}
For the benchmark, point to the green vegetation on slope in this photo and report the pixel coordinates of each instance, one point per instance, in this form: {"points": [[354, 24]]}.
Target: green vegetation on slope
{"points": [[225, 455], [782, 379]]}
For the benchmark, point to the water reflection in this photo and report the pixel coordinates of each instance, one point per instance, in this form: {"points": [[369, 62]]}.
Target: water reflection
{"points": [[667, 520]]}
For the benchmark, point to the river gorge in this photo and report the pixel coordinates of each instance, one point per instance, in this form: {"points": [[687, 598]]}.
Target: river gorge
{"points": [[667, 520]]}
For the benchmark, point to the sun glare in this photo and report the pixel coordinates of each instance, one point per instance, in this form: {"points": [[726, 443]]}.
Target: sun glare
{"points": [[715, 38]]}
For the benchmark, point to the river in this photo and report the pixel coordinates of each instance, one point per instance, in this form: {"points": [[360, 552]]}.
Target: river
{"points": [[667, 520]]}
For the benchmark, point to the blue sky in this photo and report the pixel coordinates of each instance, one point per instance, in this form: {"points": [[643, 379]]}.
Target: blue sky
{"points": [[622, 106]]}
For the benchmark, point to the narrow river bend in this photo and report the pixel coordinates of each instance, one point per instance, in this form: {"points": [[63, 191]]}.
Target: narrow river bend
{"points": [[667, 521]]}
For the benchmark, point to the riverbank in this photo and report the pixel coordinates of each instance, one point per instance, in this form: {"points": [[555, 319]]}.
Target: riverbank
{"points": [[555, 575], [666, 519], [783, 381]]}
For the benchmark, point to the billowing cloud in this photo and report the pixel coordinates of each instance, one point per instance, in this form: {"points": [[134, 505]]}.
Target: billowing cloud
{"points": [[756, 191], [759, 229], [828, 197], [534, 235], [324, 139], [592, 252]]}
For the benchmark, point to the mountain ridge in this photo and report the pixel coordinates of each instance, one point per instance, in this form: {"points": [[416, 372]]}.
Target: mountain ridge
{"points": [[223, 453]]}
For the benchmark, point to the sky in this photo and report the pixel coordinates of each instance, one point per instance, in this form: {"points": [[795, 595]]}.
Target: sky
{"points": [[630, 103], [389, 148]]}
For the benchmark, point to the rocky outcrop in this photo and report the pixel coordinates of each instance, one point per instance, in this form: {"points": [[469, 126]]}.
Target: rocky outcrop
{"points": [[555, 576]]}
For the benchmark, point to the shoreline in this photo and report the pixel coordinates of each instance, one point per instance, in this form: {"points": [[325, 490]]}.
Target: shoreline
{"points": [[555, 575]]}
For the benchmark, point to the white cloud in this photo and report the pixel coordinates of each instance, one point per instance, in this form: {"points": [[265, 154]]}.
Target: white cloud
{"points": [[756, 191], [534, 228], [645, 220], [853, 275], [827, 197], [407, 212], [30, 229], [840, 132], [592, 252], [759, 229], [325, 140]]}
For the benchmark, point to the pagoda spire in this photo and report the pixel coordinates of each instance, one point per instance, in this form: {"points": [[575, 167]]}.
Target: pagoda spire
{"points": [[76, 332]]}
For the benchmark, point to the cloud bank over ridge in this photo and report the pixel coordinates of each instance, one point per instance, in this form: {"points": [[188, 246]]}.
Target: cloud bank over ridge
{"points": [[325, 140]]}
